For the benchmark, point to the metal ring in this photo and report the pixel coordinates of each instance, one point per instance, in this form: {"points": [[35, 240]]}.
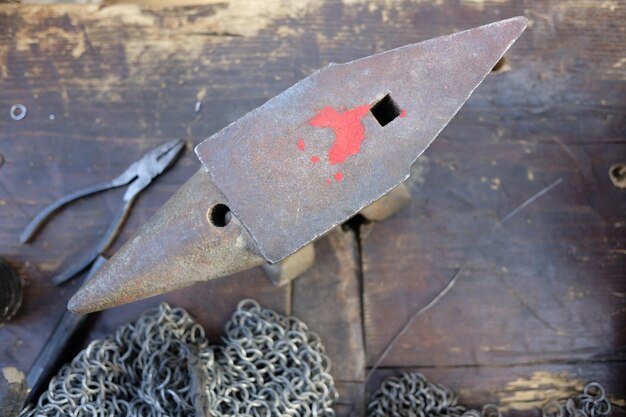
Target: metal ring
{"points": [[18, 112], [491, 410], [595, 386], [553, 409]]}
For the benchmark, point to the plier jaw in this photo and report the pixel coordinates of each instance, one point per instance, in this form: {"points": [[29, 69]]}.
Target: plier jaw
{"points": [[150, 166]]}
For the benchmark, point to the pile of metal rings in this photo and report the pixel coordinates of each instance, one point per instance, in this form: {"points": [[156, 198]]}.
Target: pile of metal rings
{"points": [[163, 365], [411, 395], [591, 403]]}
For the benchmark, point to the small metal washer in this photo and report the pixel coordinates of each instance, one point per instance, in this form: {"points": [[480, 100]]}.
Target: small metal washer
{"points": [[15, 115]]}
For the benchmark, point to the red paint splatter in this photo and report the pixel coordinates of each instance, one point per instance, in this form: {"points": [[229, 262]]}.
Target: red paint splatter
{"points": [[338, 176], [315, 159], [301, 144], [403, 113], [348, 128], [328, 181]]}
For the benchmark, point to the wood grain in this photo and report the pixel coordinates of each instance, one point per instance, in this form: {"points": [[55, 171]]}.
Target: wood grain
{"points": [[327, 298], [541, 292]]}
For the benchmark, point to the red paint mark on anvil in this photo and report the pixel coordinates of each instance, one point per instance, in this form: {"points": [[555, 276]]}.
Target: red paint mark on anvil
{"points": [[301, 144], [338, 176], [348, 128], [327, 180], [315, 159], [403, 113]]}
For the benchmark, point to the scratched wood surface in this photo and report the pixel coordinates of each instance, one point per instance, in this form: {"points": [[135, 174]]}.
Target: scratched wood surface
{"points": [[515, 192]]}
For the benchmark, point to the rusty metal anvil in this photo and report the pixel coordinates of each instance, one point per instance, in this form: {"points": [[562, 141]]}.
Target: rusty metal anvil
{"points": [[304, 162]]}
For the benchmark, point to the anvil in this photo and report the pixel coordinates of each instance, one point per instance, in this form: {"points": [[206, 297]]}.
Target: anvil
{"points": [[304, 162]]}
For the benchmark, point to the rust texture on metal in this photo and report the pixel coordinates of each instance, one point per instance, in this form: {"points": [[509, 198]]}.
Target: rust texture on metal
{"points": [[264, 163], [309, 159], [178, 247]]}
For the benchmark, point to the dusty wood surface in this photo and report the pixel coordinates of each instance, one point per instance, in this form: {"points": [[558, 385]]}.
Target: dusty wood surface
{"points": [[541, 299], [327, 297]]}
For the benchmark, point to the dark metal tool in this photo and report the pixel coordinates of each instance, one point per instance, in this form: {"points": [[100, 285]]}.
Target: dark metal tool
{"points": [[58, 345], [10, 292], [307, 160], [138, 176]]}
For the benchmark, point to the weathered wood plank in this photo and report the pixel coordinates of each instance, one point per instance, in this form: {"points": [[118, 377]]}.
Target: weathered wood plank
{"points": [[548, 284], [120, 79], [327, 297], [351, 401]]}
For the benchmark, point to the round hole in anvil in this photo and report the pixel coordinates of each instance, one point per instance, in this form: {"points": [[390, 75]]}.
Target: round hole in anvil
{"points": [[220, 215]]}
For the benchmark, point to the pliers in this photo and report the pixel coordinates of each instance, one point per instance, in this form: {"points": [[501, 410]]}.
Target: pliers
{"points": [[138, 176]]}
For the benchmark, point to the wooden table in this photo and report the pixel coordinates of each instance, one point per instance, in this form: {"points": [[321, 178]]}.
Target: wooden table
{"points": [[515, 193]]}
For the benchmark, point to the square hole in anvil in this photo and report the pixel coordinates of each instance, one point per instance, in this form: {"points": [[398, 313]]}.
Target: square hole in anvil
{"points": [[385, 110]]}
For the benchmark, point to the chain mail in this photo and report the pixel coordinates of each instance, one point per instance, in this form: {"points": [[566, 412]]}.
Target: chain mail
{"points": [[591, 403], [268, 365], [412, 395], [163, 365]]}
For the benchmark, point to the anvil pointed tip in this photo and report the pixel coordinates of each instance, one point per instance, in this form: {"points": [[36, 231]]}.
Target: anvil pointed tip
{"points": [[522, 21], [112, 286], [176, 248], [518, 23], [85, 301], [425, 83], [117, 282]]}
